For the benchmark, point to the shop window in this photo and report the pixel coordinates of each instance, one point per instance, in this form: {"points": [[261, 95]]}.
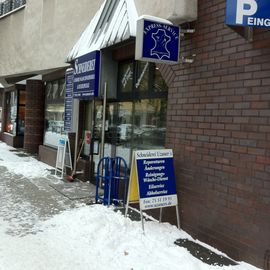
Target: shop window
{"points": [[11, 105], [145, 81], [150, 123], [54, 112], [138, 119], [9, 6], [15, 112]]}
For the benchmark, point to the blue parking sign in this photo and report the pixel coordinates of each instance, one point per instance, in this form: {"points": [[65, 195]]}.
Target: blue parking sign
{"points": [[248, 13]]}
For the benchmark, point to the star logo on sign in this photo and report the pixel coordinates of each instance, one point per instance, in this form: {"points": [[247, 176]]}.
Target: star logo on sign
{"points": [[161, 41]]}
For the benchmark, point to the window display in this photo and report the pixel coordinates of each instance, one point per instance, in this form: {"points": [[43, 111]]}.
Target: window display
{"points": [[11, 105], [54, 112]]}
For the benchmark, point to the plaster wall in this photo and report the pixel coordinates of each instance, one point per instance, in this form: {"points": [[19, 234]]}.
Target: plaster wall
{"points": [[39, 36]]}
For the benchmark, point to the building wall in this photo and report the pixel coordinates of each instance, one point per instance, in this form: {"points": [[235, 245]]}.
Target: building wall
{"points": [[40, 36], [219, 128], [178, 11], [34, 115]]}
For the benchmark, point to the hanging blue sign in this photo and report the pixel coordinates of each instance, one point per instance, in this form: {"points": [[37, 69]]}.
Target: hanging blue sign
{"points": [[156, 178], [87, 76], [251, 13], [68, 99], [157, 42]]}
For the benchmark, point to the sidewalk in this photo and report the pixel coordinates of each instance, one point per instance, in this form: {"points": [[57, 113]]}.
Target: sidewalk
{"points": [[28, 199]]}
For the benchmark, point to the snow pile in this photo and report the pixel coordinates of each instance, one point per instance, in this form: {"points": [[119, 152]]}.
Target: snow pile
{"points": [[26, 166], [95, 237]]}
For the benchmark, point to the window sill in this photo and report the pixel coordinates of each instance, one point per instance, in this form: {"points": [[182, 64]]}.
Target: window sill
{"points": [[9, 134], [12, 11]]}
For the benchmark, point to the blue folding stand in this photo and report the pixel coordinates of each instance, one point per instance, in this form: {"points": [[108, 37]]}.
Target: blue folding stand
{"points": [[112, 177]]}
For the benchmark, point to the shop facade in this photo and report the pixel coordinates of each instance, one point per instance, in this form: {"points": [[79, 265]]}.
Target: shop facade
{"points": [[12, 115], [213, 110]]}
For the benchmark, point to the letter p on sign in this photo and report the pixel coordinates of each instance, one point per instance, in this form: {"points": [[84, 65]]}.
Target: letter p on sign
{"points": [[242, 9]]}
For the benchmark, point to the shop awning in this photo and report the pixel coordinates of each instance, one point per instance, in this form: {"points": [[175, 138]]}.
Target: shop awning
{"points": [[113, 23]]}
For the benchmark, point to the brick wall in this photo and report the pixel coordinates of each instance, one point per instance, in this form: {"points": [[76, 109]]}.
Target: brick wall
{"points": [[219, 128], [34, 115]]}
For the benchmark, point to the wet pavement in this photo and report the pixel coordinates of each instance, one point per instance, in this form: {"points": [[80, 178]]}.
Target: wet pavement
{"points": [[25, 202]]}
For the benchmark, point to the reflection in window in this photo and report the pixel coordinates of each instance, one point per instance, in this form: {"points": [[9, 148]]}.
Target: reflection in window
{"points": [[124, 130], [159, 84], [54, 112], [141, 125], [150, 123]]}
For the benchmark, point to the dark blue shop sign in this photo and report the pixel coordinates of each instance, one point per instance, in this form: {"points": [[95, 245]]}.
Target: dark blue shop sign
{"points": [[87, 76], [251, 13], [157, 41], [68, 100]]}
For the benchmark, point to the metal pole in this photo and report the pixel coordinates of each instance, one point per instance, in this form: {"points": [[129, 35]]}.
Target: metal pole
{"points": [[160, 214], [178, 217], [76, 139], [103, 121], [142, 219], [91, 154]]}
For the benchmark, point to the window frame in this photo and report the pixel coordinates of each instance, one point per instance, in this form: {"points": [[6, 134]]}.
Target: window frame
{"points": [[13, 9]]}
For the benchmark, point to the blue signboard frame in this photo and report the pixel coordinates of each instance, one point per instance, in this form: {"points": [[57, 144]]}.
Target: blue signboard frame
{"points": [[68, 100], [156, 178], [157, 41], [87, 76], [249, 13]]}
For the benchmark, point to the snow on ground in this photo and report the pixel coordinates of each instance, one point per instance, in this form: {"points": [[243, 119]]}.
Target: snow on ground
{"points": [[26, 166], [88, 237], [95, 237]]}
